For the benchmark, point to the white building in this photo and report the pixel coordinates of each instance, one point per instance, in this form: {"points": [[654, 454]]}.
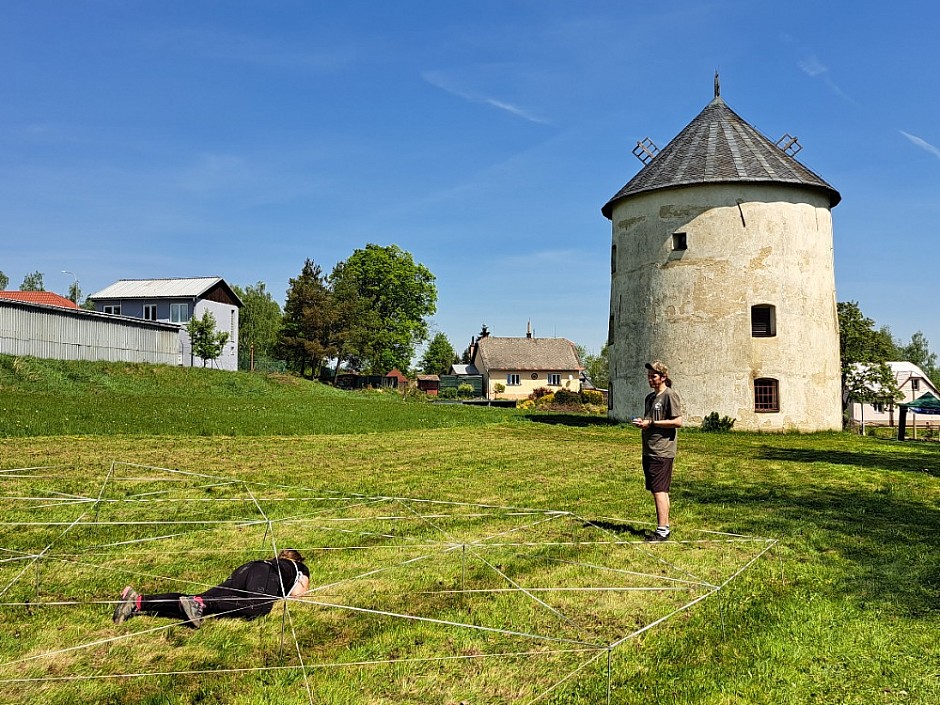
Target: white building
{"points": [[176, 301], [912, 382], [722, 267]]}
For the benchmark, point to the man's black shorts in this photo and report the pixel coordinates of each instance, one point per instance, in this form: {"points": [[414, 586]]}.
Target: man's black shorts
{"points": [[658, 473]]}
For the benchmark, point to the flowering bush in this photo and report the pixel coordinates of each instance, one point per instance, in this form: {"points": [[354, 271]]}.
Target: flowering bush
{"points": [[592, 396]]}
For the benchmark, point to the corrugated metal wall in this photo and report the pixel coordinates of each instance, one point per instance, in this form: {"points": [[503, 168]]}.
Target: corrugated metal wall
{"points": [[67, 334]]}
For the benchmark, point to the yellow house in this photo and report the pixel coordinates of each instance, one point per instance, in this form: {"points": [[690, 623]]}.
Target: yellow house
{"points": [[522, 365]]}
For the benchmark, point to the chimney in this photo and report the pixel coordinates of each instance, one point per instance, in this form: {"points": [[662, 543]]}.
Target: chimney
{"points": [[528, 329]]}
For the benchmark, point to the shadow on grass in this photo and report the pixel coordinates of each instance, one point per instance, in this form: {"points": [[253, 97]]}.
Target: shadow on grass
{"points": [[580, 420], [616, 528], [883, 545], [892, 456]]}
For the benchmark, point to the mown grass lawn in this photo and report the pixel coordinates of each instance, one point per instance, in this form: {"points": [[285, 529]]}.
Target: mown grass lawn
{"points": [[842, 609]]}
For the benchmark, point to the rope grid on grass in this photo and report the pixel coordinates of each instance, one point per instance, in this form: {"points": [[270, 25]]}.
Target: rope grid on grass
{"points": [[433, 528]]}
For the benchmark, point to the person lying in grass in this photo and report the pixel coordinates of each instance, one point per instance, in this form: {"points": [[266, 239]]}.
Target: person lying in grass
{"points": [[249, 592]]}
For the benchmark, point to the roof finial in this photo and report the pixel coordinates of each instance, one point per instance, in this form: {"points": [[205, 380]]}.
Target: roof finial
{"points": [[717, 85]]}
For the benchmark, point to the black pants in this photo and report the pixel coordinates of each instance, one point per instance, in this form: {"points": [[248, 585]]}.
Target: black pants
{"points": [[240, 596]]}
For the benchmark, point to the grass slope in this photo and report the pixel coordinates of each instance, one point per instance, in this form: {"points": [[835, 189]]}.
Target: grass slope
{"points": [[53, 397]]}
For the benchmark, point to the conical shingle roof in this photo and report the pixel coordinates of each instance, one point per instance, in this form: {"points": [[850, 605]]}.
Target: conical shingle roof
{"points": [[719, 146]]}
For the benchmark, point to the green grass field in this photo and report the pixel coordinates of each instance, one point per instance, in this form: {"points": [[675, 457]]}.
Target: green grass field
{"points": [[457, 599]]}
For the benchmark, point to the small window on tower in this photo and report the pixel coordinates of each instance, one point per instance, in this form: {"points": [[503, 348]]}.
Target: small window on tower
{"points": [[763, 321], [679, 241], [766, 395], [613, 258]]}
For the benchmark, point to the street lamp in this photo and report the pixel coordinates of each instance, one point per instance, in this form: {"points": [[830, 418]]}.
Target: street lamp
{"points": [[73, 290]]}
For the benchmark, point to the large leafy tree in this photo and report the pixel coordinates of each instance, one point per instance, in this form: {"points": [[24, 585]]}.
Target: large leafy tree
{"points": [[864, 352], [383, 298], [309, 333], [259, 323], [33, 282], [207, 343], [4, 281], [438, 357]]}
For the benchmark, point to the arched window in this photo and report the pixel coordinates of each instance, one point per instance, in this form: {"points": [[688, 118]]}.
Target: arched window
{"points": [[766, 395], [763, 321]]}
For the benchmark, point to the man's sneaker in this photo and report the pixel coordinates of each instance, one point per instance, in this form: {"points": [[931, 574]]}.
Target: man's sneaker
{"points": [[658, 536], [193, 610], [127, 607]]}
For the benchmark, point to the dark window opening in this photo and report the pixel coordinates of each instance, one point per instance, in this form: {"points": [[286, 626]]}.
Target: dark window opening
{"points": [[679, 241], [763, 321], [766, 395], [613, 259]]}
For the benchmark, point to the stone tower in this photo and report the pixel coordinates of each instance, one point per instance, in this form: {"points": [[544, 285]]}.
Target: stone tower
{"points": [[722, 267]]}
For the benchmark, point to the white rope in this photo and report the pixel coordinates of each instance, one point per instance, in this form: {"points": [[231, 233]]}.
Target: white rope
{"points": [[448, 623], [568, 677], [312, 666], [512, 582], [318, 522]]}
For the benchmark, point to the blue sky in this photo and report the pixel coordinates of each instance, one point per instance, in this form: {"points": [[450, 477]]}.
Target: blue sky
{"points": [[147, 139]]}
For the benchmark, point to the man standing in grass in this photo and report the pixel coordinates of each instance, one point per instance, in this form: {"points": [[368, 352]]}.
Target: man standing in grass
{"points": [[662, 417]]}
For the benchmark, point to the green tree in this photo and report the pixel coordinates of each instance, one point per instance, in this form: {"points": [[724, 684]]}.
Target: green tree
{"points": [[918, 352], [4, 281], [259, 324], [864, 353], [207, 343], [75, 292], [596, 366], [383, 297], [32, 282], [438, 357], [308, 334]]}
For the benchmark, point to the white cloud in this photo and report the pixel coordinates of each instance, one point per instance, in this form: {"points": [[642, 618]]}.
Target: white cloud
{"points": [[923, 144], [812, 66], [439, 79]]}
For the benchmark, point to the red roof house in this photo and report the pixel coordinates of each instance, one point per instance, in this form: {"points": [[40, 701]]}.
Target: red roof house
{"points": [[45, 298]]}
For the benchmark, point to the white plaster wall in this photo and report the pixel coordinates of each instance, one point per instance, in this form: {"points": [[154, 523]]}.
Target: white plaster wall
{"points": [[224, 321], [569, 380], [747, 245]]}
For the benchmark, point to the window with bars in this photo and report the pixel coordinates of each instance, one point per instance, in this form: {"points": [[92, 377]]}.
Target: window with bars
{"points": [[766, 395], [763, 321]]}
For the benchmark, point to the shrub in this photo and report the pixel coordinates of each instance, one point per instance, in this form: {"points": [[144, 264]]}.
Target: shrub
{"points": [[713, 424], [592, 396], [525, 404], [465, 390], [540, 392], [566, 397], [447, 393], [545, 400], [499, 388]]}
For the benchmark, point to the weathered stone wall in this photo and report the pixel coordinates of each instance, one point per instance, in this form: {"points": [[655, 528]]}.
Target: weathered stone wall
{"points": [[747, 245]]}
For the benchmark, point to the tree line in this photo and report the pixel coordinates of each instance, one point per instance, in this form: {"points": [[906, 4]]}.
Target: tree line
{"points": [[368, 314]]}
